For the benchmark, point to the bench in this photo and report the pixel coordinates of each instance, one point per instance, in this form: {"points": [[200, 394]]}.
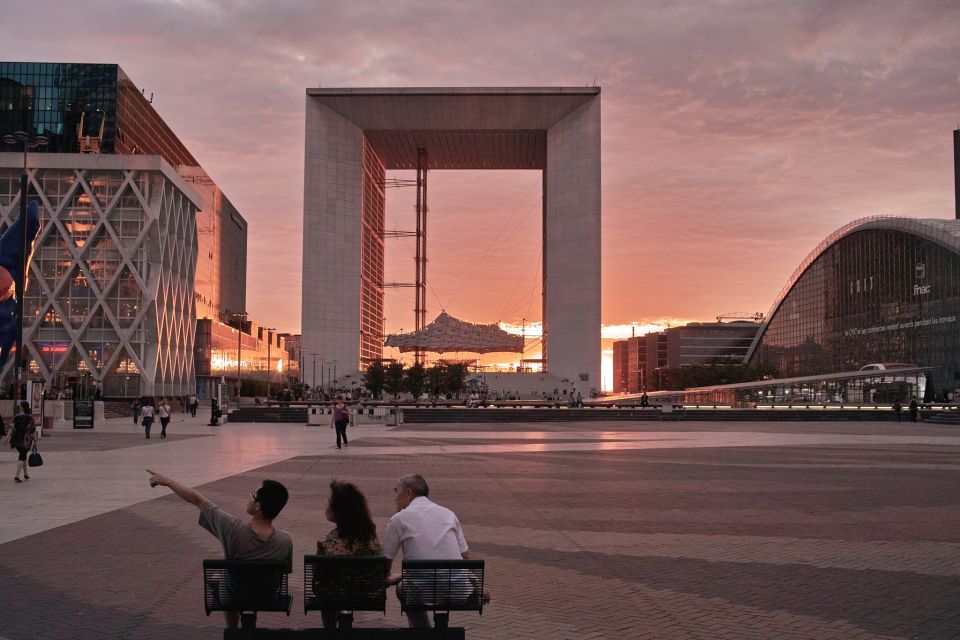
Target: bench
{"points": [[442, 586], [247, 587], [345, 584]]}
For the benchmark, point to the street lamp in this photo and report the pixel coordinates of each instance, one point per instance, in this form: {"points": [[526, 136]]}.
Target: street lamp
{"points": [[239, 317], [269, 344], [29, 141], [313, 379]]}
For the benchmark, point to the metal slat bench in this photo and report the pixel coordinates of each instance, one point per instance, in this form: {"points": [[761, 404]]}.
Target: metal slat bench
{"points": [[442, 586], [247, 587], [345, 584]]}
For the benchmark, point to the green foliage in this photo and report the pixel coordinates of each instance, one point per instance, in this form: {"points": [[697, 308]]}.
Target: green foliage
{"points": [[705, 375], [394, 382], [454, 378], [416, 380], [250, 388], [375, 378], [435, 378]]}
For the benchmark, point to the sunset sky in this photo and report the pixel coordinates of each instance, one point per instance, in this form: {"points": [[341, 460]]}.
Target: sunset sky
{"points": [[736, 134]]}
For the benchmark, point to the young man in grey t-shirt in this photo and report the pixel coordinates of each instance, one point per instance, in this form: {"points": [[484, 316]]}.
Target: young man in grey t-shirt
{"points": [[256, 539]]}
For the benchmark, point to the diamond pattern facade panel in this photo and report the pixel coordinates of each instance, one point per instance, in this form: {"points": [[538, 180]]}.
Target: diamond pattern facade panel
{"points": [[110, 294]]}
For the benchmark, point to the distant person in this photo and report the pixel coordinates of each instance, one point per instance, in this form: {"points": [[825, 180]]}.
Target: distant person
{"points": [[644, 400], [253, 540], [897, 408], [579, 400], [193, 403], [146, 416], [423, 530], [135, 407], [339, 421], [914, 409], [22, 437], [163, 411], [355, 533]]}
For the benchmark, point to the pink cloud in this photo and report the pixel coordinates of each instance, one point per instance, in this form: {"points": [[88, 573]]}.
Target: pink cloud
{"points": [[736, 134]]}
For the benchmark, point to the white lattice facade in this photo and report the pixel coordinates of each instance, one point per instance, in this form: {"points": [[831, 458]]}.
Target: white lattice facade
{"points": [[111, 291]]}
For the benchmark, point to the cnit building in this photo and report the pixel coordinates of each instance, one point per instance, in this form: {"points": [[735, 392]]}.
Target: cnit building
{"points": [[137, 242], [879, 290]]}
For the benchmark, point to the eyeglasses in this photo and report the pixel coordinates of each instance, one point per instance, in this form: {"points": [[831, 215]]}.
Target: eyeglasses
{"points": [[253, 495]]}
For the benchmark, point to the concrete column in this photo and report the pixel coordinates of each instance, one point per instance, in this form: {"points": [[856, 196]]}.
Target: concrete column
{"points": [[331, 240], [571, 248]]}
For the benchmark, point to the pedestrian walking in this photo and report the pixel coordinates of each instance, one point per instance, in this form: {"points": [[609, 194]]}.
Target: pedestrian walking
{"points": [[193, 403], [914, 409], [23, 438], [339, 421], [135, 407], [146, 416], [163, 410], [897, 408]]}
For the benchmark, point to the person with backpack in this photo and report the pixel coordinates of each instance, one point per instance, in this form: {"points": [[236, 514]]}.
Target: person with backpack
{"points": [[163, 410], [22, 437]]}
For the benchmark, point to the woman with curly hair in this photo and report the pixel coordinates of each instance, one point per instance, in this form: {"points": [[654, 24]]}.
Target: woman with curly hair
{"points": [[355, 533]]}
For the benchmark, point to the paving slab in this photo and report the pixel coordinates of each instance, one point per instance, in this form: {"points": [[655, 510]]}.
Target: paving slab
{"points": [[611, 531]]}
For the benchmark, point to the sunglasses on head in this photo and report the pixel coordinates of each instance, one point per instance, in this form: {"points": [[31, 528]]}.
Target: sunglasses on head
{"points": [[253, 494]]}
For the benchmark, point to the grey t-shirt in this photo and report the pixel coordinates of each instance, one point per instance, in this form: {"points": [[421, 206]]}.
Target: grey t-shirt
{"points": [[238, 539]]}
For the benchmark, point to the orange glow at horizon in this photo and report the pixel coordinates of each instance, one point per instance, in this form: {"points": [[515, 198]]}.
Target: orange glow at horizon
{"points": [[735, 137]]}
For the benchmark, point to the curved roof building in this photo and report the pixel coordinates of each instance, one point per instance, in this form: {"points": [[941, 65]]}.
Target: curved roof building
{"points": [[880, 289]]}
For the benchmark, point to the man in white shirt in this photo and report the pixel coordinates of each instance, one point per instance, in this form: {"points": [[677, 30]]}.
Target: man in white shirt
{"points": [[424, 531]]}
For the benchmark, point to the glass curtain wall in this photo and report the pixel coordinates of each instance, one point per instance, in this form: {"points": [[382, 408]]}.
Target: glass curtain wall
{"points": [[875, 296]]}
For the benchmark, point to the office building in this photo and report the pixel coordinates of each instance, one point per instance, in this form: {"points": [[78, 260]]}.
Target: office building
{"points": [[354, 136], [878, 290], [109, 151]]}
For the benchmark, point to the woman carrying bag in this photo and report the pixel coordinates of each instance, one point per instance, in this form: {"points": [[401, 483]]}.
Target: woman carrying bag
{"points": [[146, 415], [22, 437]]}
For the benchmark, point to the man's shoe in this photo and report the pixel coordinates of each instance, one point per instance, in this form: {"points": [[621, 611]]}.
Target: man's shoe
{"points": [[26, 477], [17, 480]]}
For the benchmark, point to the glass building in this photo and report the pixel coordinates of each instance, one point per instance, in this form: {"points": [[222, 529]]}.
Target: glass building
{"points": [[110, 291], [97, 108], [263, 356], [879, 290], [101, 306]]}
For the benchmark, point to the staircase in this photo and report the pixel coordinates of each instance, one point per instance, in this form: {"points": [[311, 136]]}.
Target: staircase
{"points": [[936, 417], [451, 415], [296, 415]]}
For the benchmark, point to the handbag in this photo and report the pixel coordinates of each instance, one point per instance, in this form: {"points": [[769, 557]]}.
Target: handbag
{"points": [[34, 459]]}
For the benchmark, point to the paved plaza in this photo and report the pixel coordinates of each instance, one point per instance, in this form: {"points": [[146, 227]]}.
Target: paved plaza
{"points": [[590, 530]]}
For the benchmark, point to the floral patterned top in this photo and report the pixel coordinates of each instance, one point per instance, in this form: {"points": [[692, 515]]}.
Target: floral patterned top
{"points": [[333, 545]]}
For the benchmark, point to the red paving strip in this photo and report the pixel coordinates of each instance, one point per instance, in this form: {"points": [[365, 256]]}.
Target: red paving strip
{"points": [[135, 572]]}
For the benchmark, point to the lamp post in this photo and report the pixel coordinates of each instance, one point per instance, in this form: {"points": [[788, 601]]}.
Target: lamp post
{"points": [[238, 317], [29, 141], [313, 378], [269, 344]]}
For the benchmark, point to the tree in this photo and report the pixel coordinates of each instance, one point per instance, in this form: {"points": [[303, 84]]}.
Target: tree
{"points": [[375, 378], [394, 379], [435, 378], [416, 380], [456, 374]]}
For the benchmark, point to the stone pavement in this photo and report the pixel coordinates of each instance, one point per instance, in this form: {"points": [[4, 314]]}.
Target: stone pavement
{"points": [[603, 531]]}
